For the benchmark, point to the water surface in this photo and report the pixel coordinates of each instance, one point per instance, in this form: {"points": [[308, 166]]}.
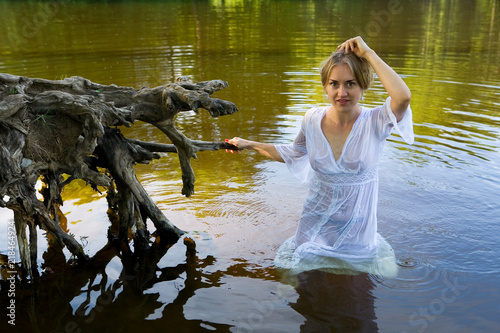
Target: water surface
{"points": [[438, 199]]}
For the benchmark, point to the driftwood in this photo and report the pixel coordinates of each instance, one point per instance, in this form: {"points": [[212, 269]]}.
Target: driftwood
{"points": [[60, 130]]}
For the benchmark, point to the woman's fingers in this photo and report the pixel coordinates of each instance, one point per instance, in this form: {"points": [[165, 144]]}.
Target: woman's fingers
{"points": [[356, 45], [234, 142], [347, 46], [361, 46]]}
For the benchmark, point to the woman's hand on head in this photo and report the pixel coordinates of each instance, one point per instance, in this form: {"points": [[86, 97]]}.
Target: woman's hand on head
{"points": [[356, 45]]}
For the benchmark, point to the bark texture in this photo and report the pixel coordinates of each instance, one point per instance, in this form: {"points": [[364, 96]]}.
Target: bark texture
{"points": [[60, 130]]}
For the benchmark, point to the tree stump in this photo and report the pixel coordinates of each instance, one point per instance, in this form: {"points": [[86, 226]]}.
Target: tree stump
{"points": [[60, 130]]}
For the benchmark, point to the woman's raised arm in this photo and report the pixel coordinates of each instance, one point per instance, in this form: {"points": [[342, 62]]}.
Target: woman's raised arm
{"points": [[392, 82]]}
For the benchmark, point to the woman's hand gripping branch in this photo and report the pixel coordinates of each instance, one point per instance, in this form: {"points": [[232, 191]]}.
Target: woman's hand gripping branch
{"points": [[265, 149]]}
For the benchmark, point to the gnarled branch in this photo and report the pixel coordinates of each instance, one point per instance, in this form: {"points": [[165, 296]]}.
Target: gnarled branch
{"points": [[51, 128]]}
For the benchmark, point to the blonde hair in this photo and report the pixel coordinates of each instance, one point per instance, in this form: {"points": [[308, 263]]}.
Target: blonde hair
{"points": [[359, 67]]}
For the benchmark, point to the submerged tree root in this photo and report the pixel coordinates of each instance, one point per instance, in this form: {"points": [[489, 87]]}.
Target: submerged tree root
{"points": [[61, 130]]}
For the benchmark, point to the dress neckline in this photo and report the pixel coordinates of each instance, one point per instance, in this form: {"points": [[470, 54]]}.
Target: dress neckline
{"points": [[336, 161]]}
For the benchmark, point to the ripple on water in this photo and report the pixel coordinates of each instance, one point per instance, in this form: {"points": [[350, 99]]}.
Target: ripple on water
{"points": [[413, 276]]}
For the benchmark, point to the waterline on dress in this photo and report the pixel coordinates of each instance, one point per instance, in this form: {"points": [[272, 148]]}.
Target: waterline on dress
{"points": [[382, 261]]}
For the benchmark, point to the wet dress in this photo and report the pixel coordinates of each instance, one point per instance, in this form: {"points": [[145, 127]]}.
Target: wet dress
{"points": [[338, 225]]}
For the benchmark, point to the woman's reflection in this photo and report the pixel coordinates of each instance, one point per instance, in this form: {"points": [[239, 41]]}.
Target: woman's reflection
{"points": [[335, 303]]}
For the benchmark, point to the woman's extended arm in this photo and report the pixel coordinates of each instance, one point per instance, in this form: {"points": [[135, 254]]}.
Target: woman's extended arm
{"points": [[392, 82], [265, 149]]}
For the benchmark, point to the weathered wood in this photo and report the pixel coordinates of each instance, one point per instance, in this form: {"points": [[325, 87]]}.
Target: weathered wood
{"points": [[51, 128], [119, 157]]}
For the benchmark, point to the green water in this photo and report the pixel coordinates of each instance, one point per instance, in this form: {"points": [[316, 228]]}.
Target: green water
{"points": [[438, 200]]}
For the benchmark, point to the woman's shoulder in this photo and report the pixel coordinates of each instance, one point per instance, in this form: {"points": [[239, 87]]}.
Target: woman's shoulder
{"points": [[314, 112], [313, 116], [377, 108], [374, 111]]}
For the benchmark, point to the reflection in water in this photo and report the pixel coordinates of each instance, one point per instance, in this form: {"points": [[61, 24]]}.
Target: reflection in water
{"points": [[335, 303], [438, 204], [110, 292]]}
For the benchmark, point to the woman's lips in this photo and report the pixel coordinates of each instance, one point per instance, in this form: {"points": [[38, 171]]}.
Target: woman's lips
{"points": [[342, 101]]}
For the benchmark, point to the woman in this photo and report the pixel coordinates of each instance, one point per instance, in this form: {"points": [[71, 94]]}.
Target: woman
{"points": [[341, 144]]}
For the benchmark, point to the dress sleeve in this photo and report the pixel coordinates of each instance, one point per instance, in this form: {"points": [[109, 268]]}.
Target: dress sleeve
{"points": [[295, 156], [404, 127]]}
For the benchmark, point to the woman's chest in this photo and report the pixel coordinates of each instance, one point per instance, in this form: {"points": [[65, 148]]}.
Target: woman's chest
{"points": [[350, 149], [336, 140], [335, 136]]}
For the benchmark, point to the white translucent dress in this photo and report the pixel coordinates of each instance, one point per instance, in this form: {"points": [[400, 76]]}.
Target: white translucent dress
{"points": [[338, 226]]}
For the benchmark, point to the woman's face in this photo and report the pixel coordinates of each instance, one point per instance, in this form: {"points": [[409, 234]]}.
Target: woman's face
{"points": [[342, 88]]}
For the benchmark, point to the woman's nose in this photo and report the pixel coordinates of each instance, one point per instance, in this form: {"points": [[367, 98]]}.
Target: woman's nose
{"points": [[342, 91]]}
